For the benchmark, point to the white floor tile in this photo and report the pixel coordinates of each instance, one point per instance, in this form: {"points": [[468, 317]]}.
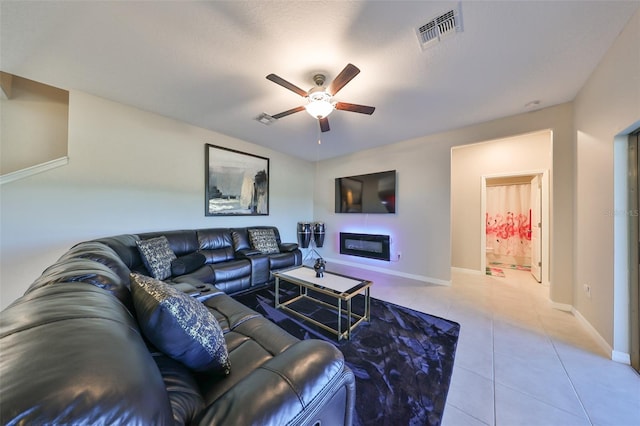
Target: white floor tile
{"points": [[516, 409], [518, 360], [543, 379], [472, 394], [456, 417], [475, 343]]}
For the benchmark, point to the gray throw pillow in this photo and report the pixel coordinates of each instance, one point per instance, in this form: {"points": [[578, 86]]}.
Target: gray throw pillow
{"points": [[157, 256], [179, 325]]}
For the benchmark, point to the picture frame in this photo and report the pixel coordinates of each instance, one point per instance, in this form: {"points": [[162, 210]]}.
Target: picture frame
{"points": [[236, 183]]}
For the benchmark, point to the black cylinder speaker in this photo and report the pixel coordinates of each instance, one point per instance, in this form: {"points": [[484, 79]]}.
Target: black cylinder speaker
{"points": [[304, 234], [318, 233]]}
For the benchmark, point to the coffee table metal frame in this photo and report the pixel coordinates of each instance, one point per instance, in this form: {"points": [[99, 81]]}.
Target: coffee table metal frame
{"points": [[342, 297]]}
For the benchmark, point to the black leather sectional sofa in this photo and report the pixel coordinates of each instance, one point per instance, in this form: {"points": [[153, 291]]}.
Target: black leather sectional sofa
{"points": [[80, 347], [230, 261]]}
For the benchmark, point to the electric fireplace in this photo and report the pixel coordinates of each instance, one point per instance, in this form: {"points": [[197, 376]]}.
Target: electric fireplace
{"points": [[372, 246]]}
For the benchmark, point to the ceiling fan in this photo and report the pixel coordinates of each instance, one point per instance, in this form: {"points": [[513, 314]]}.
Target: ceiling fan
{"points": [[320, 101]]}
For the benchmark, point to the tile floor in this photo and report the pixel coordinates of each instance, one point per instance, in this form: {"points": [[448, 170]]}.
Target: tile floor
{"points": [[518, 361]]}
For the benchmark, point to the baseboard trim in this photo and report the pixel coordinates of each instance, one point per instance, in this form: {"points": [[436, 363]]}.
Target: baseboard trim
{"points": [[33, 170], [621, 357], [616, 356], [425, 279], [562, 306], [465, 270]]}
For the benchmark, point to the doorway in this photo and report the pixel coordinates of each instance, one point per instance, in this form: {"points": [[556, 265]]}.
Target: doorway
{"points": [[515, 216]]}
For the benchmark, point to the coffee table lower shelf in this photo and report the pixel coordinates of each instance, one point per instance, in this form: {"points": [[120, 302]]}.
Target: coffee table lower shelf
{"points": [[342, 307], [350, 316]]}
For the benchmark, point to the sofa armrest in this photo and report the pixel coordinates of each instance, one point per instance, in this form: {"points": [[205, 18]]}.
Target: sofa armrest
{"points": [[288, 247], [72, 354], [306, 384], [245, 253], [187, 288], [196, 288]]}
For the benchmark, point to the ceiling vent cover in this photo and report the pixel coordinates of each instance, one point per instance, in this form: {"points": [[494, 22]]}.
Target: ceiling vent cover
{"points": [[439, 27], [265, 119]]}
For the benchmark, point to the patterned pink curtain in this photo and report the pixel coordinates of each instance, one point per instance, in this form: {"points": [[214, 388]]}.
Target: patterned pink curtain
{"points": [[509, 219]]}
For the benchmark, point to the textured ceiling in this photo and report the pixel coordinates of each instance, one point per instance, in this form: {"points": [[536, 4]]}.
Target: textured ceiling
{"points": [[205, 62]]}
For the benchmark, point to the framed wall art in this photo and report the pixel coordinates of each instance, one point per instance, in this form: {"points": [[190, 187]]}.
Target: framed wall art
{"points": [[236, 183]]}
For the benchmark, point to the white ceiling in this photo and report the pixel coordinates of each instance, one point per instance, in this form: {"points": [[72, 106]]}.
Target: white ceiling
{"points": [[205, 63]]}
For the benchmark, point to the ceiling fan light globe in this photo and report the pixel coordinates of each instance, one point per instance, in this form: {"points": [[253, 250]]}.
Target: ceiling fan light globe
{"points": [[319, 108]]}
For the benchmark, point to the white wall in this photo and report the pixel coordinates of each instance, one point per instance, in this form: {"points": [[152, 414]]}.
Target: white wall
{"points": [[514, 155], [421, 229], [607, 105], [33, 124], [129, 171]]}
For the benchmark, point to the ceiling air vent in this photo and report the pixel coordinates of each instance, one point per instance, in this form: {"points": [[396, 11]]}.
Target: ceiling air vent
{"points": [[439, 27], [265, 119]]}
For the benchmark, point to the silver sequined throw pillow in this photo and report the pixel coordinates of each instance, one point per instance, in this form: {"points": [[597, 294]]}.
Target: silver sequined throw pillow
{"points": [[264, 240], [179, 325], [157, 256]]}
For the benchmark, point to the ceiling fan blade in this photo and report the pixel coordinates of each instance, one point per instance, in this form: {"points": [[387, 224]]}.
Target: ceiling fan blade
{"points": [[362, 109], [345, 76], [324, 124], [288, 112], [284, 83]]}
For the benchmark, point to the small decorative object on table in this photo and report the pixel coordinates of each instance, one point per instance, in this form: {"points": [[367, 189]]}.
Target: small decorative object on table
{"points": [[319, 267]]}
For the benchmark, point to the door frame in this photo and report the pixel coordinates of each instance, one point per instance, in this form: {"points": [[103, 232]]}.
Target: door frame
{"points": [[546, 209], [633, 200]]}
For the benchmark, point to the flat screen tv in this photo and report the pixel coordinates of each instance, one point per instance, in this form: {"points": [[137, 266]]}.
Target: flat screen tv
{"points": [[370, 193]]}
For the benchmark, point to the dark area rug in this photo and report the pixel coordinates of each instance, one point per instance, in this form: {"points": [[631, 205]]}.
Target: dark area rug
{"points": [[402, 359]]}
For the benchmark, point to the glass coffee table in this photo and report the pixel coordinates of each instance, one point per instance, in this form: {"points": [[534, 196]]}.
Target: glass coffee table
{"points": [[340, 288]]}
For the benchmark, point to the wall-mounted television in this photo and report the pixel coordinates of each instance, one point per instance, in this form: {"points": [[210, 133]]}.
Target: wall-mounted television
{"points": [[370, 193]]}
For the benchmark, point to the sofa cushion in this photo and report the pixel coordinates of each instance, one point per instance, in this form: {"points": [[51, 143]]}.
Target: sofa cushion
{"points": [[233, 270], [157, 256], [182, 388], [73, 355], [181, 242], [203, 274], [288, 247], [281, 261], [100, 253], [179, 325], [264, 240], [80, 270], [186, 264], [240, 239]]}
